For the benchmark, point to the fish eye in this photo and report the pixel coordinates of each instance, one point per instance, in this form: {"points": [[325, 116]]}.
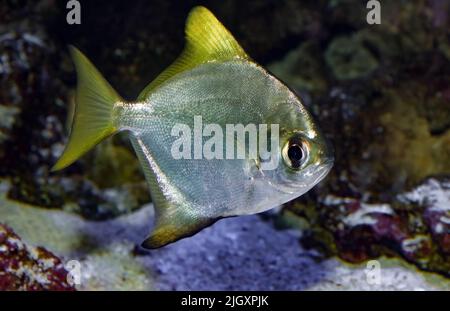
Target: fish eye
{"points": [[295, 153]]}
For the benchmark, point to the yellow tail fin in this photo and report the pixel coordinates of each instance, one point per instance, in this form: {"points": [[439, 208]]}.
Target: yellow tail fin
{"points": [[92, 122]]}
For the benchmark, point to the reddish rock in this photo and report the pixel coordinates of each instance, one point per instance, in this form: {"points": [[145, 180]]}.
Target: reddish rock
{"points": [[24, 267], [438, 220], [415, 226]]}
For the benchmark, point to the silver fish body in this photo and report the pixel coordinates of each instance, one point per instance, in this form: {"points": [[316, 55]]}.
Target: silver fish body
{"points": [[233, 92], [216, 82]]}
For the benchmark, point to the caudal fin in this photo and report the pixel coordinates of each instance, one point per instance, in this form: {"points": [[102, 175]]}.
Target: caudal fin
{"points": [[93, 122]]}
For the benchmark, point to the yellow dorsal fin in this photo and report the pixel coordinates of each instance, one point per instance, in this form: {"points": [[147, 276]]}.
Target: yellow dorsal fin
{"points": [[206, 40]]}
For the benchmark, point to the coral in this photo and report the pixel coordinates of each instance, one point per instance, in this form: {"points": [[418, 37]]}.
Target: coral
{"points": [[24, 267], [349, 59]]}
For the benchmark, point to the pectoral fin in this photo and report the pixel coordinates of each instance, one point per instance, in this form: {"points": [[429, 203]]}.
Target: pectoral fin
{"points": [[175, 217]]}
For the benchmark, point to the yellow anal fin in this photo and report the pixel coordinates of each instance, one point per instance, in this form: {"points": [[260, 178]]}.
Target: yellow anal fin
{"points": [[180, 225], [206, 40]]}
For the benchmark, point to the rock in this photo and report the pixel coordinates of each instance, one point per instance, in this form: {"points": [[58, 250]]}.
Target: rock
{"points": [[434, 197], [415, 226], [380, 93], [24, 267], [7, 119], [349, 59], [240, 253], [302, 70], [384, 105], [35, 96]]}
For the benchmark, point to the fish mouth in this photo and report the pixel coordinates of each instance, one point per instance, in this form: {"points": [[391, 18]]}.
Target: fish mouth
{"points": [[325, 168], [328, 162], [317, 173], [308, 179], [320, 171]]}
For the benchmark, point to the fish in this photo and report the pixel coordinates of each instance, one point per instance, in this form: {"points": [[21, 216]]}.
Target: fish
{"points": [[213, 80]]}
